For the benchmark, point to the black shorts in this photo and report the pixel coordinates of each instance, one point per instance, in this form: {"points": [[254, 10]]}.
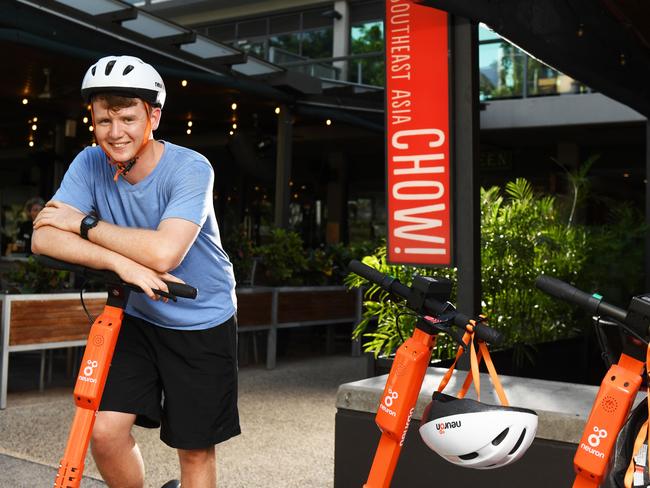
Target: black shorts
{"points": [[184, 381]]}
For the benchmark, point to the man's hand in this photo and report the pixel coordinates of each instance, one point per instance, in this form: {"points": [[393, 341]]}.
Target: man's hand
{"points": [[146, 278], [60, 215]]}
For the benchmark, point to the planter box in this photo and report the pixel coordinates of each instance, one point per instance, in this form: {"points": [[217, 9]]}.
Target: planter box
{"points": [[273, 308], [50, 321], [43, 321], [562, 409]]}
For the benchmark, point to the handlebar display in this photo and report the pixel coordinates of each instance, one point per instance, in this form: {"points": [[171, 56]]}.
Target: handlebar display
{"points": [[109, 277], [431, 306]]}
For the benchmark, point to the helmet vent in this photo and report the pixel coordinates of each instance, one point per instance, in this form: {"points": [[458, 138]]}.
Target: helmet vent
{"points": [[467, 457], [93, 69], [127, 70], [498, 439], [519, 441], [109, 67]]}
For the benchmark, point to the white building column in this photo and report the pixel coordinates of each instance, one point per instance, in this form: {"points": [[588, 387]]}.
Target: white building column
{"points": [[341, 36]]}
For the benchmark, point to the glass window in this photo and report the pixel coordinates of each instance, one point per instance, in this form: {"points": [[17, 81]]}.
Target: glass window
{"points": [[223, 32], [315, 18], [501, 68], [487, 34], [286, 42], [544, 80], [284, 23], [367, 38], [252, 28], [317, 43]]}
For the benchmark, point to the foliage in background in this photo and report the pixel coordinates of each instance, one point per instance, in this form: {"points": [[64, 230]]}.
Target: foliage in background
{"points": [[13, 216], [384, 322], [32, 277], [522, 236], [239, 248], [615, 263], [283, 258]]}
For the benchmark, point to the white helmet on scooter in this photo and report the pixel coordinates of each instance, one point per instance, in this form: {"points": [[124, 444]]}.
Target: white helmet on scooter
{"points": [[124, 74], [476, 435]]}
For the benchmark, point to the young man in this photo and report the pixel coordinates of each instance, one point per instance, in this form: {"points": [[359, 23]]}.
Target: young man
{"points": [[143, 208]]}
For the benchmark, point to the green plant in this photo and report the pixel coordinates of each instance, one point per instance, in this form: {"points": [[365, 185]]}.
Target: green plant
{"points": [[283, 258], [32, 277], [616, 255], [240, 250], [522, 236], [393, 324]]}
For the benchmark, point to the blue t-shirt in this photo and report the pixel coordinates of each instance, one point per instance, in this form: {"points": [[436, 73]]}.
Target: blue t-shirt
{"points": [[180, 186]]}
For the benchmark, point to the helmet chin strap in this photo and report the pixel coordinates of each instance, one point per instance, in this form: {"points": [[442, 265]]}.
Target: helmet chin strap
{"points": [[123, 167]]}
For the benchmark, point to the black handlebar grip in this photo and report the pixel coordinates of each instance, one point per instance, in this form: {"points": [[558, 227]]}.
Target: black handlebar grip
{"points": [[387, 282], [568, 293], [365, 271], [482, 331], [181, 290]]}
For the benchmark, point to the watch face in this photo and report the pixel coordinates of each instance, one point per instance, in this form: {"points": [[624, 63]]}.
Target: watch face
{"points": [[89, 220]]}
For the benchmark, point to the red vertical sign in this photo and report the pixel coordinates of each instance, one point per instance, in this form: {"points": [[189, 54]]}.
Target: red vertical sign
{"points": [[417, 131]]}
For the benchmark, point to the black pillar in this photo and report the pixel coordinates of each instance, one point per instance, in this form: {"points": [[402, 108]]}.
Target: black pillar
{"points": [[465, 110], [647, 204], [283, 167]]}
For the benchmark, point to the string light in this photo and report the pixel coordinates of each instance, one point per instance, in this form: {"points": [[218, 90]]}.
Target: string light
{"points": [[189, 131], [234, 126], [35, 119], [277, 110], [31, 143], [189, 123], [233, 106], [232, 132], [184, 83], [85, 120], [34, 127], [25, 101], [91, 128], [328, 122]]}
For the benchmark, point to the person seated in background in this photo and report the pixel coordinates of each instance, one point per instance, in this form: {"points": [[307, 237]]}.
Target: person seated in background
{"points": [[24, 239]]}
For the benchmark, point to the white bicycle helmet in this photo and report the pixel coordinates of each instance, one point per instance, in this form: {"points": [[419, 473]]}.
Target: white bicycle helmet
{"points": [[477, 435], [127, 75]]}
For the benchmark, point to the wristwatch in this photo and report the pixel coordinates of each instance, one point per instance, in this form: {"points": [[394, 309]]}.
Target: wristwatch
{"points": [[88, 222]]}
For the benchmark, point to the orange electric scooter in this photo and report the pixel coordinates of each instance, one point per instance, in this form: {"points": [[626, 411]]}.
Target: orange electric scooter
{"points": [[619, 386], [96, 362], [428, 298]]}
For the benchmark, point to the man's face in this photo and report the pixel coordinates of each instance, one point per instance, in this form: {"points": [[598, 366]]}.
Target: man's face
{"points": [[34, 210], [120, 131]]}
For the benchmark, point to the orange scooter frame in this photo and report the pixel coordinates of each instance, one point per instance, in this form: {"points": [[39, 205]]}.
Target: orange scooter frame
{"points": [[609, 412], [398, 403], [90, 386]]}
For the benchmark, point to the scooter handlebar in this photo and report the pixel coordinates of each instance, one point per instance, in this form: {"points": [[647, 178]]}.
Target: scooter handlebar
{"points": [[432, 306], [175, 289], [593, 304]]}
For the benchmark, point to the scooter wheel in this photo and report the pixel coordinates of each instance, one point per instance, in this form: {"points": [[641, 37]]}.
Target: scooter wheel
{"points": [[172, 484]]}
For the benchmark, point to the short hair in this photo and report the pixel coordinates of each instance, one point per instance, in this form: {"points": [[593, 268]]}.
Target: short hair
{"points": [[115, 101], [34, 201]]}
